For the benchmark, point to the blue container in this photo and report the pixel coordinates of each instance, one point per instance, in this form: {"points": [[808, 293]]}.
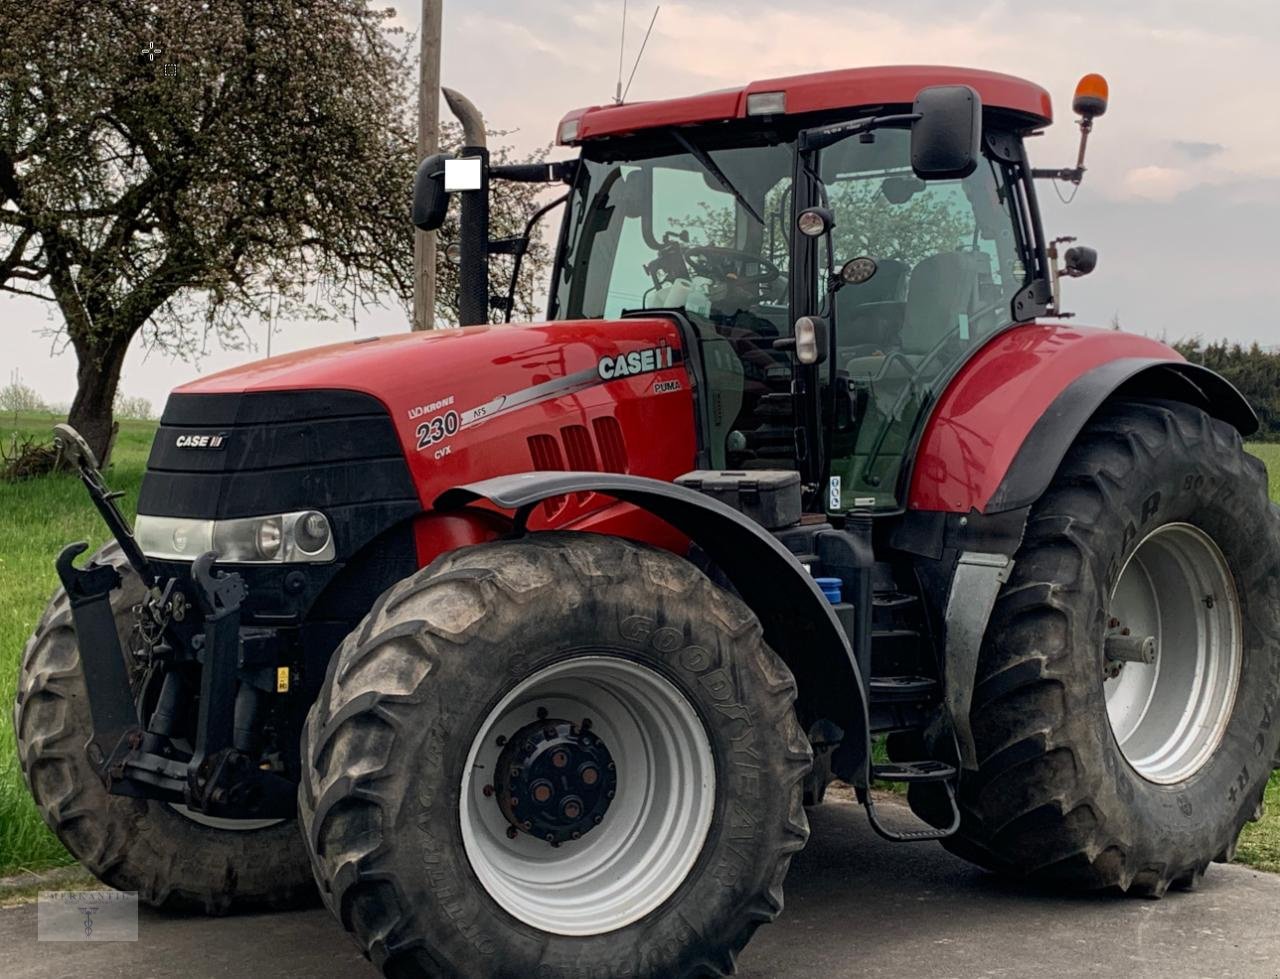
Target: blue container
{"points": [[831, 588]]}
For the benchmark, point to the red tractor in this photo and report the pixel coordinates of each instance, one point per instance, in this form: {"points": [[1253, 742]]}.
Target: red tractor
{"points": [[530, 644]]}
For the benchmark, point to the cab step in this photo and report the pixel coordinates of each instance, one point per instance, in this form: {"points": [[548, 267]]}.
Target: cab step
{"points": [[911, 689], [893, 599], [912, 772]]}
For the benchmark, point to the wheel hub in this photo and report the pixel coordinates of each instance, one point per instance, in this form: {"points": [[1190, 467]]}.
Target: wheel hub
{"points": [[1173, 650], [555, 780]]}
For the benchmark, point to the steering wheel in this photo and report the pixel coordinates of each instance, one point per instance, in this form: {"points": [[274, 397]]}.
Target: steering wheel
{"points": [[721, 264]]}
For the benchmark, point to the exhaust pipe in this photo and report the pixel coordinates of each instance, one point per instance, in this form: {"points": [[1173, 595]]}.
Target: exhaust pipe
{"points": [[473, 237]]}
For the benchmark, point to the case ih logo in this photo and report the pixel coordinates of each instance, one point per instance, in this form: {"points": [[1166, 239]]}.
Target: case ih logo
{"points": [[200, 441], [636, 362]]}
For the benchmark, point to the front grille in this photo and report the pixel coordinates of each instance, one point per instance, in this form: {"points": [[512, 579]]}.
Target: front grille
{"points": [[241, 455]]}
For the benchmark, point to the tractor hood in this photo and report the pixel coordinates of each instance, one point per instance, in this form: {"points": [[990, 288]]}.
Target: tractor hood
{"points": [[407, 416]]}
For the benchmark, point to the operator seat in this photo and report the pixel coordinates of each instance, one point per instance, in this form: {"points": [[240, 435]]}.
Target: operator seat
{"points": [[941, 292], [869, 315]]}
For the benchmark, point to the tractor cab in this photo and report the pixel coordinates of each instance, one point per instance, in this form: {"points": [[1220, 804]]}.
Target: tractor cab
{"points": [[727, 226], [891, 212]]}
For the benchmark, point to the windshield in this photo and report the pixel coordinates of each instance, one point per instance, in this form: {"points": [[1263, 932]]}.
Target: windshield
{"points": [[703, 229], [706, 229], [949, 262]]}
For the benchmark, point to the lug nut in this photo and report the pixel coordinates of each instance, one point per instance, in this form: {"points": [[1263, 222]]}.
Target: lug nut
{"points": [[596, 819], [559, 759], [572, 810], [575, 835], [590, 776], [541, 793], [551, 839]]}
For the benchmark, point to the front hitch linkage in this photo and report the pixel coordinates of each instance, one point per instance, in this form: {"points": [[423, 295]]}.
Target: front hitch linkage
{"points": [[219, 779]]}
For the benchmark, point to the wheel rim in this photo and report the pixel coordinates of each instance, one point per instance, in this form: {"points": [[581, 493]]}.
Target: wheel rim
{"points": [[1169, 716], [649, 837]]}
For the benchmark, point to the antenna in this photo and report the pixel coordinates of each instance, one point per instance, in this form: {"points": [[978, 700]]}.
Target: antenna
{"points": [[622, 46], [641, 54]]}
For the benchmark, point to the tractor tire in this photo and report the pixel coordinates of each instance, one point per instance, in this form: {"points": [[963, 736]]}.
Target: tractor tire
{"points": [[1096, 771], [171, 859], [446, 845]]}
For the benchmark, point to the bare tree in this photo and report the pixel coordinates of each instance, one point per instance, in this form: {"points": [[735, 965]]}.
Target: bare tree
{"points": [[127, 406], [16, 396], [170, 168]]}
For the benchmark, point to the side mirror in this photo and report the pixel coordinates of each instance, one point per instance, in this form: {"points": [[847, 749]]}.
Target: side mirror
{"points": [[430, 199], [946, 139], [1079, 260]]}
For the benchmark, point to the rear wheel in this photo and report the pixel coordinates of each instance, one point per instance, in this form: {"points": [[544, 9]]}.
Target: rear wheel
{"points": [[172, 858], [1127, 705], [562, 755]]}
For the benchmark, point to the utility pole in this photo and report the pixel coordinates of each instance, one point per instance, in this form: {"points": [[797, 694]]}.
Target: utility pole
{"points": [[424, 242]]}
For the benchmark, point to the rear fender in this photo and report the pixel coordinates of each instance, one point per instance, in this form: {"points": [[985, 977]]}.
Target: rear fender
{"points": [[1007, 418], [1054, 432], [799, 623]]}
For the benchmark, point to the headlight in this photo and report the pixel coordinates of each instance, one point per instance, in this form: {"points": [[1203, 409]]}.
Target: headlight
{"points": [[273, 539]]}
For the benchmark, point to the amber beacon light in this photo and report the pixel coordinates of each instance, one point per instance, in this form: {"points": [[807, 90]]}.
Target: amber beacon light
{"points": [[1090, 99]]}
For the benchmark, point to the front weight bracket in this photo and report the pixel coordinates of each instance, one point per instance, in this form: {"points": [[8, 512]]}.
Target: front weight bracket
{"points": [[116, 729]]}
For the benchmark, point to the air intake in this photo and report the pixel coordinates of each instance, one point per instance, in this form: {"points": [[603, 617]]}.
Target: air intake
{"points": [[613, 451]]}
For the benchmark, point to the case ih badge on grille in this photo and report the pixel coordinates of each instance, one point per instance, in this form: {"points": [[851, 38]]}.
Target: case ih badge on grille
{"points": [[210, 441]]}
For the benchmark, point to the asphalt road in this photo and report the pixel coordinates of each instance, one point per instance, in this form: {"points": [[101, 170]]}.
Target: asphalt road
{"points": [[856, 906]]}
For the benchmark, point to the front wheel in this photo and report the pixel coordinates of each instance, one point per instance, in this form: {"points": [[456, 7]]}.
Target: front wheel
{"points": [[1127, 706], [562, 755]]}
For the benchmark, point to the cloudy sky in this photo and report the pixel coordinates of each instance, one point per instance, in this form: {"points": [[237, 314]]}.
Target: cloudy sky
{"points": [[1183, 188]]}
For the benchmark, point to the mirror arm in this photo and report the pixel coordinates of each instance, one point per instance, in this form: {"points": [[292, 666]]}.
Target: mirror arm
{"points": [[816, 139], [562, 171]]}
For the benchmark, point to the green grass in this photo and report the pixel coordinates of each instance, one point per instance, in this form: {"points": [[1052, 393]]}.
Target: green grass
{"points": [[39, 516], [1270, 454]]}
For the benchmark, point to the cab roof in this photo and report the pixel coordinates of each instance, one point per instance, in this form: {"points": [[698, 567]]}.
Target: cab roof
{"points": [[847, 88]]}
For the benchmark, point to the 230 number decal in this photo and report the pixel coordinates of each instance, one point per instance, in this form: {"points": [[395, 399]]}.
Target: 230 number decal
{"points": [[438, 428]]}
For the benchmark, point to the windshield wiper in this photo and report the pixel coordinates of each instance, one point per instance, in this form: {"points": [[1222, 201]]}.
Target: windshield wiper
{"points": [[708, 164]]}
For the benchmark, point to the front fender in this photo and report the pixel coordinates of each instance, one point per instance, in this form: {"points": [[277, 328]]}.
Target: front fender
{"points": [[1003, 424], [799, 623]]}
